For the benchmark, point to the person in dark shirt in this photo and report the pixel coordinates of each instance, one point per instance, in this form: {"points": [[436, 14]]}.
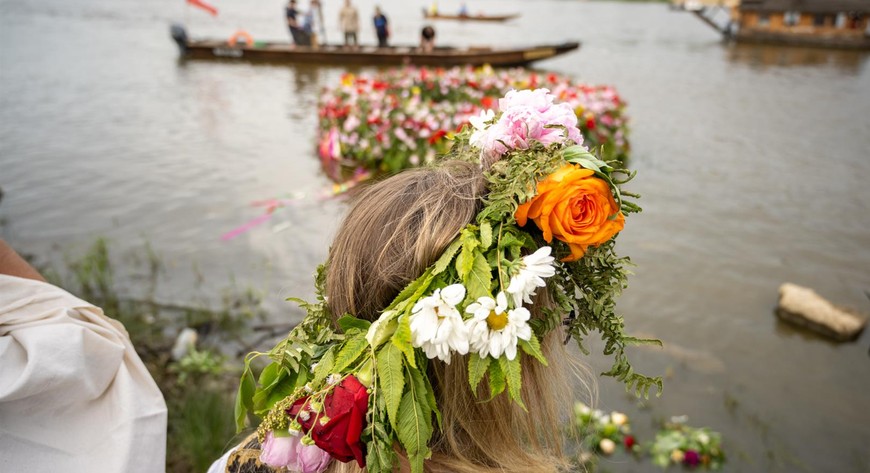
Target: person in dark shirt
{"points": [[427, 39], [296, 32], [381, 27]]}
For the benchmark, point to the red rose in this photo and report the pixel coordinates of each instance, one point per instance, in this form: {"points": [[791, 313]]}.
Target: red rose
{"points": [[345, 410], [628, 441]]}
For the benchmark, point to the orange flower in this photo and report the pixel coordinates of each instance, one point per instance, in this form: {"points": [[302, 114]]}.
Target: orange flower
{"points": [[574, 206]]}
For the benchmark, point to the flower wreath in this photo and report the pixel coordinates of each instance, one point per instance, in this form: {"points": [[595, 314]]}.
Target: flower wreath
{"points": [[354, 391]]}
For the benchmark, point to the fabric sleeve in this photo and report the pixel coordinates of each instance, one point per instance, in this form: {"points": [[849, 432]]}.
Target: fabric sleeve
{"points": [[74, 395]]}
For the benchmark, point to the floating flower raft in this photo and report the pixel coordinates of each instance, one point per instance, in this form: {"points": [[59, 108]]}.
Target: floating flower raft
{"points": [[402, 118]]}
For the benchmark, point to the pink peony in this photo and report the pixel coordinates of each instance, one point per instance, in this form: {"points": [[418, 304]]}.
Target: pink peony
{"points": [[289, 452], [526, 116]]}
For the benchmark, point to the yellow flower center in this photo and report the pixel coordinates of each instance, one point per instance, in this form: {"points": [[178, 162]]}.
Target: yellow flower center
{"points": [[496, 321]]}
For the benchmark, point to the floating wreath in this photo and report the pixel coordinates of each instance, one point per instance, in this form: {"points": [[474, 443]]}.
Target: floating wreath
{"points": [[403, 118]]}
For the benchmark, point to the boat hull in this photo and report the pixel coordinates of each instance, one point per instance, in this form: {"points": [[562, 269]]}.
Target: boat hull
{"points": [[336, 55], [495, 18]]}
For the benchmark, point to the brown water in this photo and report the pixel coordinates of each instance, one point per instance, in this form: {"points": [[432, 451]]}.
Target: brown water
{"points": [[753, 163]]}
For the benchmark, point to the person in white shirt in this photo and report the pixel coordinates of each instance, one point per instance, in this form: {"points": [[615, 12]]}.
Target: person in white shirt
{"points": [[74, 395]]}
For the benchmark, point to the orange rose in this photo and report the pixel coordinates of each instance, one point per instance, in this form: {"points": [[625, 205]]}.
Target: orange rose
{"points": [[574, 206]]}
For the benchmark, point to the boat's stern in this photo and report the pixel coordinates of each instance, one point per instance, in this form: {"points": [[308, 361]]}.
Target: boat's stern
{"points": [[179, 35]]}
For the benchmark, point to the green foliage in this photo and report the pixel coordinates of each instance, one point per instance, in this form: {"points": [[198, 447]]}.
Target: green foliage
{"points": [[597, 279], [533, 347], [200, 428], [350, 352], [391, 379], [513, 377], [197, 365], [513, 182], [477, 368], [414, 427]]}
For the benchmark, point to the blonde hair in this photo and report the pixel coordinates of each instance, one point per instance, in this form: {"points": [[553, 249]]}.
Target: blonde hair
{"points": [[394, 231]]}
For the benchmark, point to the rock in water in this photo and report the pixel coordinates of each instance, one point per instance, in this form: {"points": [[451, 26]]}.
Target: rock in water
{"points": [[802, 306]]}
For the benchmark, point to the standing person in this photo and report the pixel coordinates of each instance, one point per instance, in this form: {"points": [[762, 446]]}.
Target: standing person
{"points": [[313, 24], [382, 27], [296, 32], [74, 395], [348, 18]]}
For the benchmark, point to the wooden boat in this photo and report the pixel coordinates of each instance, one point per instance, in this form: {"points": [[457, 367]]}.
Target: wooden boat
{"points": [[479, 17], [365, 55]]}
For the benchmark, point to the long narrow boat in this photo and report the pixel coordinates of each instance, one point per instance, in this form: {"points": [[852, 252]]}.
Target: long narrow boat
{"points": [[492, 18], [365, 55]]}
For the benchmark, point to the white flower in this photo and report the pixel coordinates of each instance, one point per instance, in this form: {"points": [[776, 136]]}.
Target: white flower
{"points": [[534, 268], [703, 438], [437, 326], [492, 331], [618, 418], [607, 446], [478, 139]]}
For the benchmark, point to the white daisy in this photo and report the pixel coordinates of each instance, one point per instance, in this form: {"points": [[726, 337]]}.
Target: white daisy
{"points": [[437, 326], [533, 269], [493, 331]]}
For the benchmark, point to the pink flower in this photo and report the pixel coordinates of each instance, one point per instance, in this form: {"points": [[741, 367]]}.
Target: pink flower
{"points": [[527, 115], [691, 459], [289, 452]]}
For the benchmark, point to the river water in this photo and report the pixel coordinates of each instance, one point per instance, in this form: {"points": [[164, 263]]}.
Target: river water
{"points": [[753, 163]]}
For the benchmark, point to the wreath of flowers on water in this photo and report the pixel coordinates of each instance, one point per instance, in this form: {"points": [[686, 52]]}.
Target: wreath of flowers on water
{"points": [[352, 392], [676, 443], [403, 118]]}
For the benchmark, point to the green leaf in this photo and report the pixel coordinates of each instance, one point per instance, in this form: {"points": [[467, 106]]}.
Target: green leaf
{"points": [[413, 291], [533, 348], [496, 380], [270, 375], [485, 235], [380, 457], [402, 339], [414, 430], [422, 389], [477, 368], [353, 348], [391, 379], [275, 384], [244, 397], [348, 322], [513, 376], [264, 400], [479, 279], [446, 257], [430, 398], [465, 261], [383, 329], [324, 366], [579, 155]]}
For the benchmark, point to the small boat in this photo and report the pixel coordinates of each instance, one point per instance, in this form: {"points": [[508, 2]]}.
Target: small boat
{"points": [[266, 51], [478, 17]]}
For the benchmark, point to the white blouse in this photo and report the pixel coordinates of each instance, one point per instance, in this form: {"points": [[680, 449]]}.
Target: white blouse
{"points": [[74, 395]]}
